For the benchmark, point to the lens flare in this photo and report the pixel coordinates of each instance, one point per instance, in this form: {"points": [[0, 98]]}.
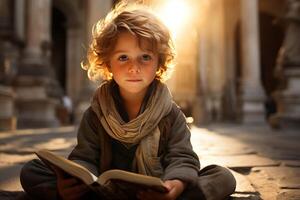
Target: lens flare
{"points": [[175, 14]]}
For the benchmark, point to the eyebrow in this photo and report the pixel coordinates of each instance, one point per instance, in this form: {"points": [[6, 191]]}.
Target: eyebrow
{"points": [[119, 51], [124, 51]]}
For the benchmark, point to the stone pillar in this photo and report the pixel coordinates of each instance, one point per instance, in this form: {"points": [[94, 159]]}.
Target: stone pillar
{"points": [[35, 80], [9, 54], [215, 70], [253, 95], [184, 85], [287, 97], [95, 10], [211, 61], [8, 63], [74, 58], [37, 33]]}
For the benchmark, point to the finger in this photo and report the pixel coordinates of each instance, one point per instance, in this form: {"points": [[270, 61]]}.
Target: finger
{"points": [[176, 187], [168, 185]]}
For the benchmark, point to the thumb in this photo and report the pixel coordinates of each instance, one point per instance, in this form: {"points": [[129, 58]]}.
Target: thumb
{"points": [[168, 185]]}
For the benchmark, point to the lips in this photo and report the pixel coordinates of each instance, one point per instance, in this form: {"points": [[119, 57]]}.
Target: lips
{"points": [[134, 80]]}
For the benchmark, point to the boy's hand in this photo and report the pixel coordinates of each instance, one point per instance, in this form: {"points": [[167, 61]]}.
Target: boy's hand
{"points": [[175, 188], [69, 188]]}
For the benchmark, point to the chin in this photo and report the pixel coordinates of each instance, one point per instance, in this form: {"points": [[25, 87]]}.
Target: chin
{"points": [[135, 90]]}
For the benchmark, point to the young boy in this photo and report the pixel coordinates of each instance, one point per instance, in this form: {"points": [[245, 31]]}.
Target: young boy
{"points": [[132, 123]]}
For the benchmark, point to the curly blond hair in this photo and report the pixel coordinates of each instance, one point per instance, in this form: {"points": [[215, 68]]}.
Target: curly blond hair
{"points": [[139, 21]]}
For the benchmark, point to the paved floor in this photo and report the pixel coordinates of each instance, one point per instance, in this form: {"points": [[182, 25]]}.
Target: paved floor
{"points": [[265, 163]]}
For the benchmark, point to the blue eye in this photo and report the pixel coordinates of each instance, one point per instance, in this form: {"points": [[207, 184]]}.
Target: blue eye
{"points": [[123, 58], [146, 57]]}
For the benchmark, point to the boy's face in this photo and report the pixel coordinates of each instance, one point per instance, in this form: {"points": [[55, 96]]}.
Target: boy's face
{"points": [[133, 68]]}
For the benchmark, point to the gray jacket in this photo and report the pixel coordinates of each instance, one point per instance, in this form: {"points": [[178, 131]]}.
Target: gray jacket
{"points": [[176, 156]]}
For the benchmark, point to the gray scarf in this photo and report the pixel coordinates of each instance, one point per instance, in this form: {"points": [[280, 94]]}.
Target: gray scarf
{"points": [[142, 130]]}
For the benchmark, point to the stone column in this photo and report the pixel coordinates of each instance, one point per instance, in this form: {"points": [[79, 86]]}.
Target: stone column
{"points": [[37, 32], [35, 80], [211, 61], [287, 97], [95, 10], [8, 58], [74, 58], [9, 54], [253, 95]]}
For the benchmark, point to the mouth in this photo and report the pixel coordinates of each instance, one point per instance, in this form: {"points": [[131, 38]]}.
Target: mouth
{"points": [[134, 80]]}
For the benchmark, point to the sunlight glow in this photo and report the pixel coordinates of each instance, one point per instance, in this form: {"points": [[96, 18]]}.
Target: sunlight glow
{"points": [[175, 14]]}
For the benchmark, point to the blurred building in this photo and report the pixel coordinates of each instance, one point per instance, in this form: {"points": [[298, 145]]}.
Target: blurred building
{"points": [[230, 66]]}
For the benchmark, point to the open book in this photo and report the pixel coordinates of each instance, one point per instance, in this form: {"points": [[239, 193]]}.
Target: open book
{"points": [[112, 184]]}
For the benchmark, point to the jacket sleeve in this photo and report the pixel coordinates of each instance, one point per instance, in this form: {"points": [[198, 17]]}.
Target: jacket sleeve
{"points": [[180, 161], [87, 151]]}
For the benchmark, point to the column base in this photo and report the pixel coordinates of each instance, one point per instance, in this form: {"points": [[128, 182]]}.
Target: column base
{"points": [[278, 121], [36, 123], [8, 124], [253, 112], [288, 111], [199, 111], [7, 118], [36, 113], [253, 107], [288, 102]]}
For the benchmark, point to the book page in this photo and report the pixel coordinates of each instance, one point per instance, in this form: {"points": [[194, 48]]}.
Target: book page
{"points": [[146, 181], [68, 166]]}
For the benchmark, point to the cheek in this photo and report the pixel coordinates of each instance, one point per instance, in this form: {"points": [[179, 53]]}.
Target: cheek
{"points": [[152, 71], [114, 66]]}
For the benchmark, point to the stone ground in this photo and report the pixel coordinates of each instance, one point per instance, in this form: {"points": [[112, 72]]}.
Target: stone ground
{"points": [[266, 163]]}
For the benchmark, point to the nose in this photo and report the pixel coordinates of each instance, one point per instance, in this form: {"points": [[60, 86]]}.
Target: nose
{"points": [[134, 67]]}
